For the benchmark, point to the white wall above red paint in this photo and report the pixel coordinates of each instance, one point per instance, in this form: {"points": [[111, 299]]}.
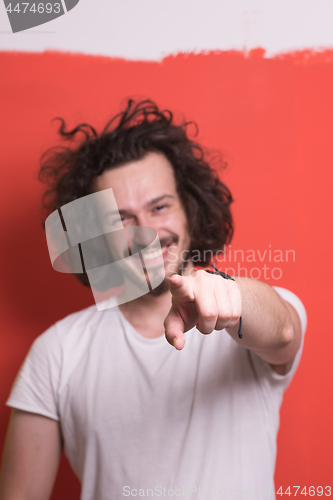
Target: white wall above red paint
{"points": [[151, 29]]}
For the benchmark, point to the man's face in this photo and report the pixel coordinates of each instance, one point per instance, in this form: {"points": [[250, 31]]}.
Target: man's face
{"points": [[146, 195]]}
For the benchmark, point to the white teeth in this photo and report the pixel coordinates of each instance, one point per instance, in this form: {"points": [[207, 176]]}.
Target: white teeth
{"points": [[154, 254]]}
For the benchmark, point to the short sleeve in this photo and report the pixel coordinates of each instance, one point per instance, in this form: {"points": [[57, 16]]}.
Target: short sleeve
{"points": [[263, 368], [36, 386]]}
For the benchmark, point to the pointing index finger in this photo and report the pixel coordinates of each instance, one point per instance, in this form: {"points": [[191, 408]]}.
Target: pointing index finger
{"points": [[180, 288]]}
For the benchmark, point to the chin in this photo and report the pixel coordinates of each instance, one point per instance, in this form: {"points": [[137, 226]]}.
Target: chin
{"points": [[161, 289]]}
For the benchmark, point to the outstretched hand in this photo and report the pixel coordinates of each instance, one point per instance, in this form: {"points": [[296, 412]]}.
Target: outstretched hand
{"points": [[204, 300]]}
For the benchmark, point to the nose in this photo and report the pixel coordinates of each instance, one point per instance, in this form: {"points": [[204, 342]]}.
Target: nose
{"points": [[146, 220], [142, 219], [139, 237], [142, 233]]}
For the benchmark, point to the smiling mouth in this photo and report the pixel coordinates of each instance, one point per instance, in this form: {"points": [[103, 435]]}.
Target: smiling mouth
{"points": [[156, 254]]}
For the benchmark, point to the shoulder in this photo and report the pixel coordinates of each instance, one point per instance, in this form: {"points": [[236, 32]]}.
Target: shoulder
{"points": [[296, 302], [64, 343], [83, 323], [54, 356]]}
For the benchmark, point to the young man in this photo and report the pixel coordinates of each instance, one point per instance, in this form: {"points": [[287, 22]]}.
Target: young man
{"points": [[136, 416]]}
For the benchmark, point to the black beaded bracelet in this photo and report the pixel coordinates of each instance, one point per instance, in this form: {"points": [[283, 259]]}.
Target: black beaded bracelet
{"points": [[226, 277]]}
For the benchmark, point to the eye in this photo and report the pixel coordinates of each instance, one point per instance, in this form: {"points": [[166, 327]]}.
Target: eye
{"points": [[113, 222], [159, 208]]}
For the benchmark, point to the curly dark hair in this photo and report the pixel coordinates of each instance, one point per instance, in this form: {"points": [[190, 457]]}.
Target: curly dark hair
{"points": [[130, 136]]}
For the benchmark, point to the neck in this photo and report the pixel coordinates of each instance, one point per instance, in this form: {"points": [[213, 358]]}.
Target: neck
{"points": [[147, 313]]}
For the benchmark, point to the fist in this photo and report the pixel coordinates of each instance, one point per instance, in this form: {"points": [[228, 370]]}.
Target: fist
{"points": [[204, 300]]}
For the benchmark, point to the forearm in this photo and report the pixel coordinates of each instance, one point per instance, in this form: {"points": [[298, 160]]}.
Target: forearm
{"points": [[270, 326]]}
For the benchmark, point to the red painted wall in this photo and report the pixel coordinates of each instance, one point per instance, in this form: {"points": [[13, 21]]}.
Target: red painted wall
{"points": [[273, 120]]}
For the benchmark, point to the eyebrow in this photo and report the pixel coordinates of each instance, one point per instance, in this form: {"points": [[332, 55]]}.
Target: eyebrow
{"points": [[158, 199]]}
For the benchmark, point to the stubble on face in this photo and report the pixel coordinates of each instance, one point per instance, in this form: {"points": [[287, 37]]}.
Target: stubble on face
{"points": [[163, 287]]}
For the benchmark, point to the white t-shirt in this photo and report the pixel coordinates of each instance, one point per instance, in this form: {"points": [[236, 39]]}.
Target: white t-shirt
{"points": [[140, 418]]}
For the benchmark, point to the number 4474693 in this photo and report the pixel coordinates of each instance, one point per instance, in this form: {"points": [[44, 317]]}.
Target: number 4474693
{"points": [[312, 491]]}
